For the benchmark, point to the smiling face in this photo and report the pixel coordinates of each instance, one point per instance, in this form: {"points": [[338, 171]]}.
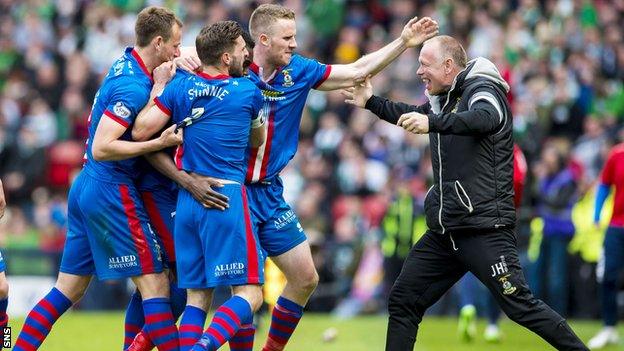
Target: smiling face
{"points": [[434, 70], [281, 41]]}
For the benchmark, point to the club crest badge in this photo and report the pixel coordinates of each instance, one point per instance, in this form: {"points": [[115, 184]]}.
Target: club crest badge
{"points": [[508, 288], [288, 82]]}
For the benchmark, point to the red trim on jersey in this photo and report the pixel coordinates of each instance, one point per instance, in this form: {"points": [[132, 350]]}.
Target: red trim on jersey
{"points": [[178, 156], [253, 277], [254, 68], [208, 76], [137, 57], [159, 224], [253, 154], [328, 69], [269, 141], [162, 107], [117, 119], [136, 230]]}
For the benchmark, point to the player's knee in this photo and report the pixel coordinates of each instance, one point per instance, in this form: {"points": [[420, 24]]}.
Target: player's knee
{"points": [[72, 286], [252, 294], [308, 282], [153, 285]]}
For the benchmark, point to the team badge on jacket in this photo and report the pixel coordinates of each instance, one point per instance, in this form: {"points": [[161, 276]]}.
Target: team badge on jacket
{"points": [[508, 288]]}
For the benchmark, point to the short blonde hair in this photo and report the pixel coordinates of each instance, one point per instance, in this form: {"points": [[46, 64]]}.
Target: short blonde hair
{"points": [[265, 16], [451, 48]]}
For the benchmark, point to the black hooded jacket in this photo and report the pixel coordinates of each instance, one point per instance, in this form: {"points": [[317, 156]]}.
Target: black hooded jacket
{"points": [[470, 132]]}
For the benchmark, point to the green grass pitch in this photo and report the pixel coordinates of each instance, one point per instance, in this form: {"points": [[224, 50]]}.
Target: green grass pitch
{"points": [[78, 331]]}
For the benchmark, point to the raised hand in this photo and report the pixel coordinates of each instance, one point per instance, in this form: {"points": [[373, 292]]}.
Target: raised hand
{"points": [[163, 73], [359, 94], [188, 63], [416, 31]]}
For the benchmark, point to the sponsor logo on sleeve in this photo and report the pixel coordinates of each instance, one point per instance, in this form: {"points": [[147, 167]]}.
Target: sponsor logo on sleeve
{"points": [[121, 110]]}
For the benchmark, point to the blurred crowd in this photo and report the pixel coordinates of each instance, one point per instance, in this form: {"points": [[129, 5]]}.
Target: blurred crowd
{"points": [[357, 184]]}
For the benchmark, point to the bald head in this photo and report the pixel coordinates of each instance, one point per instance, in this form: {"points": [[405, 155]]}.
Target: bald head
{"points": [[441, 59], [448, 48]]}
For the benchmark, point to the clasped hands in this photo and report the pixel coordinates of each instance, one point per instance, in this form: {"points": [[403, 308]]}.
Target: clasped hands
{"points": [[414, 122]]}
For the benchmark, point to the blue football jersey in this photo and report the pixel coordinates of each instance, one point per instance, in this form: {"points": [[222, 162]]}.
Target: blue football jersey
{"points": [[152, 180], [123, 93], [222, 109], [285, 95]]}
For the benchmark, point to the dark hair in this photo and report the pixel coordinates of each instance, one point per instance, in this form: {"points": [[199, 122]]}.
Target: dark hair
{"points": [[248, 40], [216, 39], [154, 21]]}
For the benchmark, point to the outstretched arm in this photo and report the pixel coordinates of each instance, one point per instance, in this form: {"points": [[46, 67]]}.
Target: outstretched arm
{"points": [[414, 34], [362, 96]]}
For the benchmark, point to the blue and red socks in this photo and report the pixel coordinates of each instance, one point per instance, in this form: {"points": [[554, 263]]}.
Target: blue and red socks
{"points": [[134, 319], [4, 317], [160, 325], [224, 324], [243, 340], [140, 341], [285, 317], [191, 327], [178, 300], [40, 320]]}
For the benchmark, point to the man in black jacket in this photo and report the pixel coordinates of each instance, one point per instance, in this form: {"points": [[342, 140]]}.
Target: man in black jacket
{"points": [[469, 209]]}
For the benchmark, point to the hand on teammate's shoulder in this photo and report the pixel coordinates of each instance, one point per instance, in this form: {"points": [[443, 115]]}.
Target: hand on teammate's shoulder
{"points": [[163, 73]]}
